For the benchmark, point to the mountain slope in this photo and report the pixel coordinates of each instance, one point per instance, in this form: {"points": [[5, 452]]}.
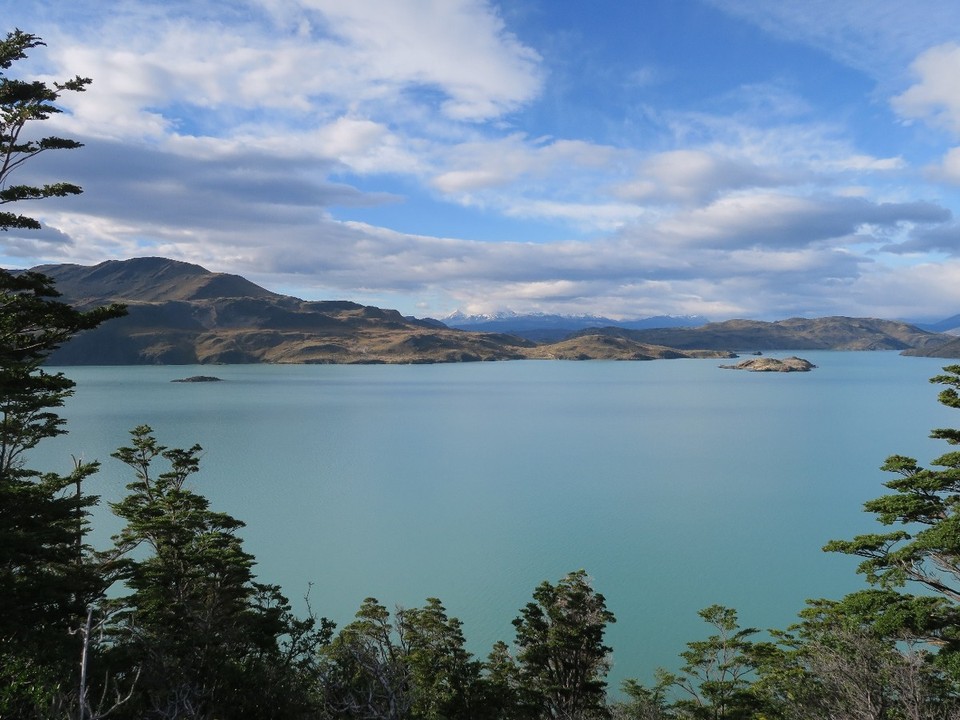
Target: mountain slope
{"points": [[183, 314], [830, 333], [543, 327], [148, 279], [950, 349]]}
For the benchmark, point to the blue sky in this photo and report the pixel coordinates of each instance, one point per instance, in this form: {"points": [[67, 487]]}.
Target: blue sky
{"points": [[726, 158]]}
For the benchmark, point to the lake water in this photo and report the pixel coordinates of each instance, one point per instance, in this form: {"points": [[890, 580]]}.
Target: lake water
{"points": [[675, 484]]}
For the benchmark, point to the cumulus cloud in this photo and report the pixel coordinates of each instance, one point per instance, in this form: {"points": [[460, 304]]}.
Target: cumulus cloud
{"points": [[693, 176], [460, 47], [776, 221], [935, 97], [485, 163], [161, 72], [941, 239], [259, 137]]}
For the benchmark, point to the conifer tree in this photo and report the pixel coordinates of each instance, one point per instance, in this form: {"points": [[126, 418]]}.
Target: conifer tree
{"points": [[562, 659], [22, 103], [208, 639], [924, 546], [44, 573]]}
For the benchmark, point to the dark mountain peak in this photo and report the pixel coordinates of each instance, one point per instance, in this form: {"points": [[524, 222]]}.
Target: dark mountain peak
{"points": [[147, 279]]}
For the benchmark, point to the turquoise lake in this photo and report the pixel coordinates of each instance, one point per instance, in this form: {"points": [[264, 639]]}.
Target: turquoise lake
{"points": [[675, 484]]}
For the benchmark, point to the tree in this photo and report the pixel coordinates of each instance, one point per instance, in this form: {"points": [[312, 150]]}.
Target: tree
{"points": [[365, 673], [209, 640], [641, 703], [852, 658], [444, 675], [925, 549], [716, 680], [561, 656], [44, 570], [22, 103], [502, 685], [414, 667]]}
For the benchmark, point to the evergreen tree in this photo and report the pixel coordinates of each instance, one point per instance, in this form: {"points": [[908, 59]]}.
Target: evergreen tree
{"points": [[716, 680], [44, 571], [925, 547], [561, 656], [22, 103], [414, 667], [854, 658], [208, 639]]}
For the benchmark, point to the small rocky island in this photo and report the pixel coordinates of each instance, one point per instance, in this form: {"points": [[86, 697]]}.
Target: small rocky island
{"points": [[198, 379], [765, 364]]}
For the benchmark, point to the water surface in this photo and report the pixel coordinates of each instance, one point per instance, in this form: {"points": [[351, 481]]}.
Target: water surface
{"points": [[675, 484]]}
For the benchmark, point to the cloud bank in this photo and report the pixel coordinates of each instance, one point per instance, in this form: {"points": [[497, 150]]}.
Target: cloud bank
{"points": [[396, 152]]}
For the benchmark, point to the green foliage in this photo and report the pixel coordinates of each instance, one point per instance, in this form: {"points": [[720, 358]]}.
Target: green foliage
{"points": [[852, 658], [716, 681], [561, 656], [208, 639], [642, 703], [502, 685], [33, 323], [925, 549], [413, 667], [364, 674], [22, 103]]}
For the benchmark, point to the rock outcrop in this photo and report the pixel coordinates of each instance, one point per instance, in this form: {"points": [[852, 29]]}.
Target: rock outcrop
{"points": [[765, 364]]}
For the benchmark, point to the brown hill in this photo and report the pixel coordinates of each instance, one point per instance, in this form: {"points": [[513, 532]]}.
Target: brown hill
{"points": [[610, 347], [181, 313], [830, 333], [147, 279], [949, 349]]}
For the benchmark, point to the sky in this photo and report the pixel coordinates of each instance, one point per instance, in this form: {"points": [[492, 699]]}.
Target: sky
{"points": [[722, 158]]}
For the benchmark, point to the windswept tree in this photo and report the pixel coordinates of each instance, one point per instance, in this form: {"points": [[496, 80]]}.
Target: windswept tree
{"points": [[22, 103], [209, 640], [46, 579], [924, 546], [412, 666], [561, 657], [716, 681], [858, 658]]}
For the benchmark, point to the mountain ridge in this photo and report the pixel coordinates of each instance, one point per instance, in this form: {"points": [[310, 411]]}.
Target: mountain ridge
{"points": [[180, 313], [549, 327]]}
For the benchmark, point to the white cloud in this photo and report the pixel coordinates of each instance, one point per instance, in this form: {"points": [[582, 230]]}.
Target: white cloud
{"points": [[488, 163], [949, 168], [225, 133], [458, 46], [692, 176], [157, 73], [935, 98], [921, 291], [773, 220]]}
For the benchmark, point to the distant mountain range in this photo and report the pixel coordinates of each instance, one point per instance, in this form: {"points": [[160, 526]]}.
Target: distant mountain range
{"points": [[543, 327], [951, 325], [180, 313], [830, 333]]}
